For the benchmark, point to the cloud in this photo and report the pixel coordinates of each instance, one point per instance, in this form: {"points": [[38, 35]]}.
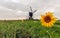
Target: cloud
{"points": [[20, 8]]}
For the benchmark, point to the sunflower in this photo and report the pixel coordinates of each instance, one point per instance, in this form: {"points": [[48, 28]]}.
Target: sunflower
{"points": [[48, 19]]}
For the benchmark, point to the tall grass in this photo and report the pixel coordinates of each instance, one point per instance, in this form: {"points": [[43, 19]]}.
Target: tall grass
{"points": [[28, 29]]}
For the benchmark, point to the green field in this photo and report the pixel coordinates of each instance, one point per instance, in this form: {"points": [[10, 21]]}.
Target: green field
{"points": [[28, 29]]}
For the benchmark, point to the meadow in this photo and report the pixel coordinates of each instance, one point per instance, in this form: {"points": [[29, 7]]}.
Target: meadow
{"points": [[28, 29]]}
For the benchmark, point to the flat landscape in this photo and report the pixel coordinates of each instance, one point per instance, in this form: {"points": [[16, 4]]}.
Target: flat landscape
{"points": [[28, 29]]}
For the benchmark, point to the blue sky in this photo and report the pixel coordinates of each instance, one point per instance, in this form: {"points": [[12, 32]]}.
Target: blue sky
{"points": [[20, 8]]}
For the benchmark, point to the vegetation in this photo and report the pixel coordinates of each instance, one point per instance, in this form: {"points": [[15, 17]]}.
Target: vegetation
{"points": [[28, 29]]}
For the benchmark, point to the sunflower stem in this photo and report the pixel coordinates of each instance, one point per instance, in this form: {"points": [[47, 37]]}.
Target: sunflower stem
{"points": [[49, 34]]}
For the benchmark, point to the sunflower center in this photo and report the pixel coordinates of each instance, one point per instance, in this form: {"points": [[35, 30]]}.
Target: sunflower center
{"points": [[47, 19]]}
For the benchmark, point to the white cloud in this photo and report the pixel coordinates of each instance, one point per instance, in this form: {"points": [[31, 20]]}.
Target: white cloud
{"points": [[20, 8]]}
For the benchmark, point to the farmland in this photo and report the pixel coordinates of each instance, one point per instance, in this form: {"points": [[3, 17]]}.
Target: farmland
{"points": [[28, 29]]}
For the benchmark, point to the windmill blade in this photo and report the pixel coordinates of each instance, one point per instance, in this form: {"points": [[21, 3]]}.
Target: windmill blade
{"points": [[34, 11], [31, 8]]}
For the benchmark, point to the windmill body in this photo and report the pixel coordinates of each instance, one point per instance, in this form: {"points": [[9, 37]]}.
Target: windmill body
{"points": [[31, 13]]}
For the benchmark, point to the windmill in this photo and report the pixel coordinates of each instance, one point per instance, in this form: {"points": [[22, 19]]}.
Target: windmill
{"points": [[31, 13]]}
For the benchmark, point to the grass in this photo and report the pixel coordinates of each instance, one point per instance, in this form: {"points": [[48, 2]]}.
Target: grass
{"points": [[28, 29]]}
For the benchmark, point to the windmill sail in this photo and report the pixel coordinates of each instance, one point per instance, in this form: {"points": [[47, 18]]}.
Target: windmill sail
{"points": [[31, 8], [34, 11]]}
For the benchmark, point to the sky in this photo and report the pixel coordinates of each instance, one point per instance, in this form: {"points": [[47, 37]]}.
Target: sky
{"points": [[17, 9]]}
